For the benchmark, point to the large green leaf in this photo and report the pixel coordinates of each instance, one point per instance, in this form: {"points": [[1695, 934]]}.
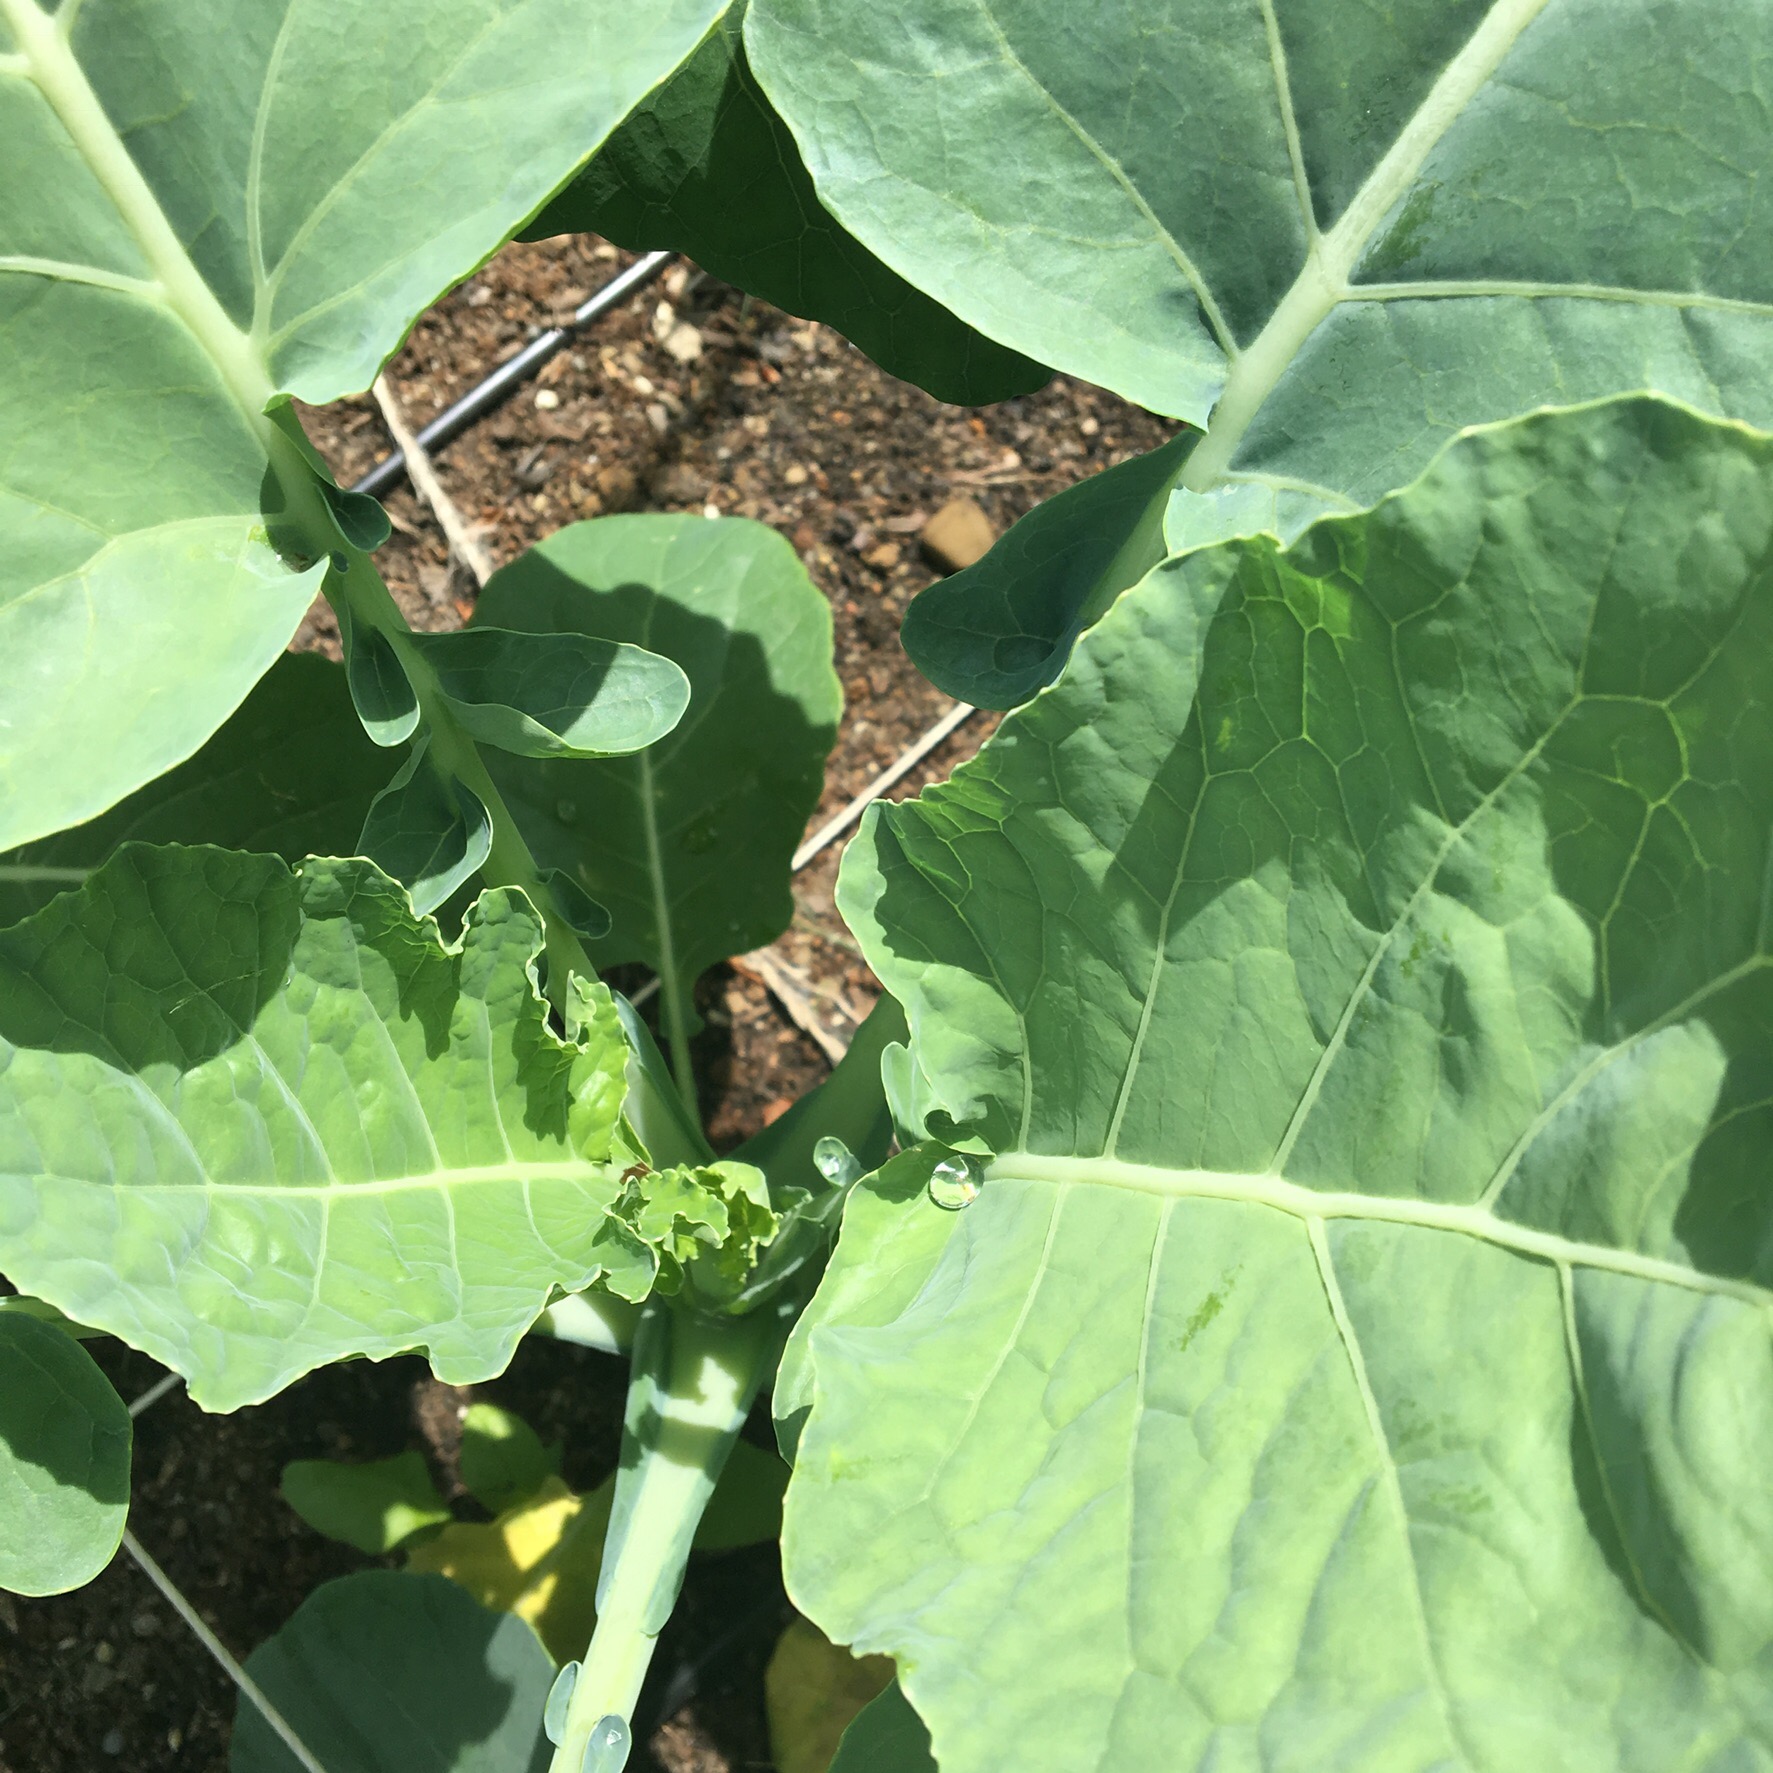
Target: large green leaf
{"points": [[687, 843], [384, 1672], [64, 1460], [254, 1120], [291, 773], [1336, 230], [210, 207], [706, 167], [1355, 976]]}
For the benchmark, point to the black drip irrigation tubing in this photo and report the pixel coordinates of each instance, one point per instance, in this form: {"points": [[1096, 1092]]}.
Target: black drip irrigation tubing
{"points": [[513, 373]]}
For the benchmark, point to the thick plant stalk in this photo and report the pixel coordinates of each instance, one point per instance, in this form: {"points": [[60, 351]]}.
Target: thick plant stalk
{"points": [[695, 1379]]}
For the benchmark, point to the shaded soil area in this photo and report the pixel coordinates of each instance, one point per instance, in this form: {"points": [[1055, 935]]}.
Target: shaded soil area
{"points": [[689, 399]]}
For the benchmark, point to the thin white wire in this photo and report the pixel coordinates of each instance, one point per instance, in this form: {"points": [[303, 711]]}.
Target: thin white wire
{"points": [[839, 823], [219, 1651], [155, 1392]]}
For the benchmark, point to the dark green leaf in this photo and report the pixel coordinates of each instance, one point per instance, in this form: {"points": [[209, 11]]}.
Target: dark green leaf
{"points": [[384, 1672], [706, 167], [375, 1506], [688, 843], [887, 1737], [428, 833], [382, 693]]}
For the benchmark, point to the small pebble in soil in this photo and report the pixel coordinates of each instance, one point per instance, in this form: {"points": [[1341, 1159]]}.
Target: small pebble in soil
{"points": [[112, 1743]]}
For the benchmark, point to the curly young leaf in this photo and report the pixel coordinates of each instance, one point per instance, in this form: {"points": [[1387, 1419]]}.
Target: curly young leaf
{"points": [[428, 833], [291, 773], [210, 207], [1332, 233], [1360, 1352], [254, 1120], [706, 167], [64, 1460]]}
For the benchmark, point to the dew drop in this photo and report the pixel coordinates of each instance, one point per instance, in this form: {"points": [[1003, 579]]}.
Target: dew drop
{"points": [[701, 837], [955, 1183], [566, 811], [835, 1161], [560, 1699], [606, 1751]]}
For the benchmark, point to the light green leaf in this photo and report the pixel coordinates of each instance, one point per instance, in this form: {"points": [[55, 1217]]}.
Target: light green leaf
{"points": [[64, 1460], [254, 1120], [289, 774], [374, 1506], [706, 167], [687, 843], [555, 695], [210, 207], [1339, 232], [429, 833], [385, 1672], [1360, 1352], [503, 1459]]}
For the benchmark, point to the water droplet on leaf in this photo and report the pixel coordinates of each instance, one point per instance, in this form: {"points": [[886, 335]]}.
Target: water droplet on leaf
{"points": [[835, 1161], [560, 1698], [566, 811], [701, 837], [607, 1749], [955, 1182]]}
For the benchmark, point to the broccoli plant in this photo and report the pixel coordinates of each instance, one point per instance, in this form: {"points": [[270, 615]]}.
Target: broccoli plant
{"points": [[1319, 1311]]}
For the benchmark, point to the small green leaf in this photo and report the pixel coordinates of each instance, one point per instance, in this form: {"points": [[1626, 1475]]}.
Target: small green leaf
{"points": [[64, 1460], [705, 167], [382, 693], [428, 833], [254, 1120], [503, 1459], [886, 1737], [385, 1672], [814, 1689], [583, 914], [290, 774], [687, 843], [746, 1507], [375, 1506], [555, 695], [998, 631]]}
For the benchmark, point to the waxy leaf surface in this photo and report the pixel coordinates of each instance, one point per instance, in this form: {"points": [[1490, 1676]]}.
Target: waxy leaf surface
{"points": [[706, 167], [254, 1120], [291, 773], [1331, 232], [688, 842], [64, 1460], [210, 207], [1354, 976]]}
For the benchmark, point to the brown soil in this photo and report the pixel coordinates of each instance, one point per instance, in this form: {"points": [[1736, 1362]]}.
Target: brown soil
{"points": [[777, 420]]}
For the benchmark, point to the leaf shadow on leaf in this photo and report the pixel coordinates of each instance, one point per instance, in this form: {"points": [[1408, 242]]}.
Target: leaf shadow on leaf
{"points": [[148, 967], [583, 815]]}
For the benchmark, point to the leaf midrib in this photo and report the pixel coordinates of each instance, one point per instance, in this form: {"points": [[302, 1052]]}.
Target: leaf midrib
{"points": [[1313, 1204], [1322, 284], [335, 1188]]}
